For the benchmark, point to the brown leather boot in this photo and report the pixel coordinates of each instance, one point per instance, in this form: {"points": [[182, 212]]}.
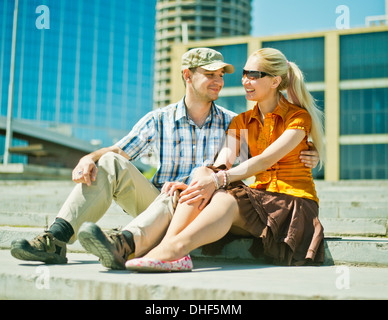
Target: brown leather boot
{"points": [[45, 247], [111, 248]]}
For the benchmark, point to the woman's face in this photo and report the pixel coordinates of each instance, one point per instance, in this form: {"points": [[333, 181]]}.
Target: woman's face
{"points": [[257, 89]]}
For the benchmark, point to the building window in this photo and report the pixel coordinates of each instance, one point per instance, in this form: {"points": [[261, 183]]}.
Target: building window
{"points": [[364, 56], [364, 161], [364, 111], [308, 54], [235, 55]]}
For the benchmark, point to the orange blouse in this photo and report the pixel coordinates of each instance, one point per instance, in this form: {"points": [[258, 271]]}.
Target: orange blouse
{"points": [[289, 175]]}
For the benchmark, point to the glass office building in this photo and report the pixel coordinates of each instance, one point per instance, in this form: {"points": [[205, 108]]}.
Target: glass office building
{"points": [[347, 73], [86, 71]]}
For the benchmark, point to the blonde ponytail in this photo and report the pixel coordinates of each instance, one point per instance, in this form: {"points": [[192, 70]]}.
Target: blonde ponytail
{"points": [[298, 94], [275, 63]]}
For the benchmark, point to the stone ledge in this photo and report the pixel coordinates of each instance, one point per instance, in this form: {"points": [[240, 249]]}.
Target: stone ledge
{"points": [[355, 251], [83, 278]]}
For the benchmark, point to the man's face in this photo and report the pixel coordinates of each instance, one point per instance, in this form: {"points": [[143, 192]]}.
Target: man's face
{"points": [[207, 84]]}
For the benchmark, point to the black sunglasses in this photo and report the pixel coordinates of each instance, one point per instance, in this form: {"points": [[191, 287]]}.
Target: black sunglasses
{"points": [[251, 74]]}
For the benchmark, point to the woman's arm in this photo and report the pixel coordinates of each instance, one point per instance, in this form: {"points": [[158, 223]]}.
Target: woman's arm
{"points": [[287, 142], [203, 187]]}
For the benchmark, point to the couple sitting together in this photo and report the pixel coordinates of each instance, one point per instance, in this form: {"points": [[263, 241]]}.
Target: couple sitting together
{"points": [[197, 143]]}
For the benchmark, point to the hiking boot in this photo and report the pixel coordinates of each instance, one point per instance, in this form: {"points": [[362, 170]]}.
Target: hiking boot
{"points": [[111, 248], [43, 248]]}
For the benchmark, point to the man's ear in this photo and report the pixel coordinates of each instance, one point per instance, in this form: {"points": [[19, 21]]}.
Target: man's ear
{"points": [[186, 74]]}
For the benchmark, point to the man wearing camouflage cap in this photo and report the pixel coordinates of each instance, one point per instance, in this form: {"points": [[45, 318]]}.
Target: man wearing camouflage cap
{"points": [[208, 59], [184, 135], [180, 134]]}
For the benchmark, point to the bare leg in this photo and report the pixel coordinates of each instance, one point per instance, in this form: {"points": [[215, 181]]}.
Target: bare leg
{"points": [[208, 226], [187, 213]]}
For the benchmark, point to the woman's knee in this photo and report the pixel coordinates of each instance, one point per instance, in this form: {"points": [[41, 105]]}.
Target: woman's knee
{"points": [[225, 200], [202, 171]]}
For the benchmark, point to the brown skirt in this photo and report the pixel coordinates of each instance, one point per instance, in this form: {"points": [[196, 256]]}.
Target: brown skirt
{"points": [[288, 227]]}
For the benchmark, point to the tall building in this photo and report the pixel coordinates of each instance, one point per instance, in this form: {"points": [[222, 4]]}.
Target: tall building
{"points": [[83, 68], [187, 20], [347, 73]]}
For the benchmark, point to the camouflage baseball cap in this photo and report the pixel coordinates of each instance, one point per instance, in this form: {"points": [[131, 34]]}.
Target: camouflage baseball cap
{"points": [[205, 58]]}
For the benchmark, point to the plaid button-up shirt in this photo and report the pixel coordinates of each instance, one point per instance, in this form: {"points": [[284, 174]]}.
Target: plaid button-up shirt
{"points": [[179, 145]]}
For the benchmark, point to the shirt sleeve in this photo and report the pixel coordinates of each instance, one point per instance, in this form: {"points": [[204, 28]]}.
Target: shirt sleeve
{"points": [[299, 120], [137, 141]]}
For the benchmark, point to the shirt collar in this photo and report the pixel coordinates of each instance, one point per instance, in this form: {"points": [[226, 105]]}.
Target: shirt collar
{"points": [[281, 109], [181, 111]]}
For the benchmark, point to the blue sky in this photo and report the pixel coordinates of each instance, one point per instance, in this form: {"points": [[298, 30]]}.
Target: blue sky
{"points": [[271, 17]]}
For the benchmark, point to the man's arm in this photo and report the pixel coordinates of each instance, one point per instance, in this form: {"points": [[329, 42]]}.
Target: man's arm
{"points": [[134, 143], [86, 169], [310, 157]]}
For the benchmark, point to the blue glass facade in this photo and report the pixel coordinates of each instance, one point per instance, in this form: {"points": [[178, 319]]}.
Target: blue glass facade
{"points": [[90, 75], [364, 56], [364, 110], [368, 161]]}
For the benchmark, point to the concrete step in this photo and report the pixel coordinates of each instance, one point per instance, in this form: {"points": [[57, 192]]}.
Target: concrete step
{"points": [[83, 278], [115, 217], [350, 250], [337, 194], [348, 207], [323, 185], [355, 227], [353, 209]]}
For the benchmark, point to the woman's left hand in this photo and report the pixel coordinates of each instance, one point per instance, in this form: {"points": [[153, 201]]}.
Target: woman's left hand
{"points": [[200, 189]]}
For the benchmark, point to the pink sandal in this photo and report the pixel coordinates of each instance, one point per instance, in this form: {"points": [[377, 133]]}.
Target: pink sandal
{"points": [[184, 264], [148, 265], [155, 265]]}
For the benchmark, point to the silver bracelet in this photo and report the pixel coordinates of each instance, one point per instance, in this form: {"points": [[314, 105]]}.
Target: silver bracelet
{"points": [[215, 179], [227, 178], [224, 174]]}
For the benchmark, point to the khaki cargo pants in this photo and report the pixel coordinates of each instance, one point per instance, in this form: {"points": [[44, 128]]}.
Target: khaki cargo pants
{"points": [[118, 179]]}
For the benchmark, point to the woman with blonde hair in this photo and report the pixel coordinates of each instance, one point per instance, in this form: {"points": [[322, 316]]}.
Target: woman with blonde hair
{"points": [[281, 207]]}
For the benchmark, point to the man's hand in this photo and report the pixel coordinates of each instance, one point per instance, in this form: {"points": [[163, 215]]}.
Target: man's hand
{"points": [[85, 171], [171, 187], [200, 189], [310, 157]]}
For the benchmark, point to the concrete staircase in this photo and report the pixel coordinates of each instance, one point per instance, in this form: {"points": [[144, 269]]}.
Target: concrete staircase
{"points": [[353, 213]]}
